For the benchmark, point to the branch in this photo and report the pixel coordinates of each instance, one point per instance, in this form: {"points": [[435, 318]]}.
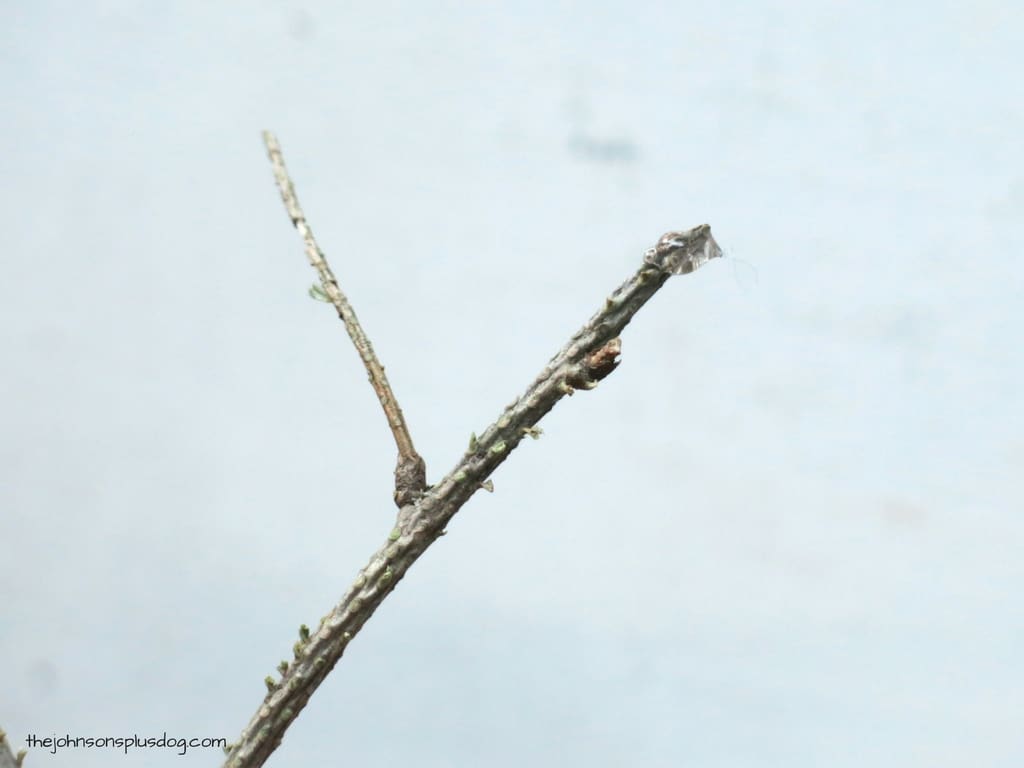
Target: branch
{"points": [[7, 758], [588, 357], [410, 472]]}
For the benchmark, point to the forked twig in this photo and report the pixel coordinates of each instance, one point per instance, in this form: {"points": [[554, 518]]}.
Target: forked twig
{"points": [[410, 472], [8, 758], [588, 357]]}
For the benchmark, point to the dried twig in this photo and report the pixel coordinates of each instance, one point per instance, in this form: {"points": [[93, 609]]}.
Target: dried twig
{"points": [[588, 357], [410, 472], [8, 759]]}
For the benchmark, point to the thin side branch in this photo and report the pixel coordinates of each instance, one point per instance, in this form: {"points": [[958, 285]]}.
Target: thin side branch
{"points": [[410, 473], [589, 356]]}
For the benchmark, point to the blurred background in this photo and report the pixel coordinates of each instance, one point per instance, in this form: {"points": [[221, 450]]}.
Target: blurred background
{"points": [[786, 531]]}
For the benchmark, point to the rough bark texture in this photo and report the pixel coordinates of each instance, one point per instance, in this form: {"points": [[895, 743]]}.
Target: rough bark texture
{"points": [[589, 356]]}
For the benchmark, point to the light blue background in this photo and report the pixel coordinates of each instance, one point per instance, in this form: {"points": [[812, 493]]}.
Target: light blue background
{"points": [[786, 532]]}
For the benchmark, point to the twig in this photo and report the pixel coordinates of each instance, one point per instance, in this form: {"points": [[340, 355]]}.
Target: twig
{"points": [[8, 759], [410, 472], [589, 356]]}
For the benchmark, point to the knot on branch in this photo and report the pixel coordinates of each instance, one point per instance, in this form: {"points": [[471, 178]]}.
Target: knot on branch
{"points": [[595, 366], [410, 479]]}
